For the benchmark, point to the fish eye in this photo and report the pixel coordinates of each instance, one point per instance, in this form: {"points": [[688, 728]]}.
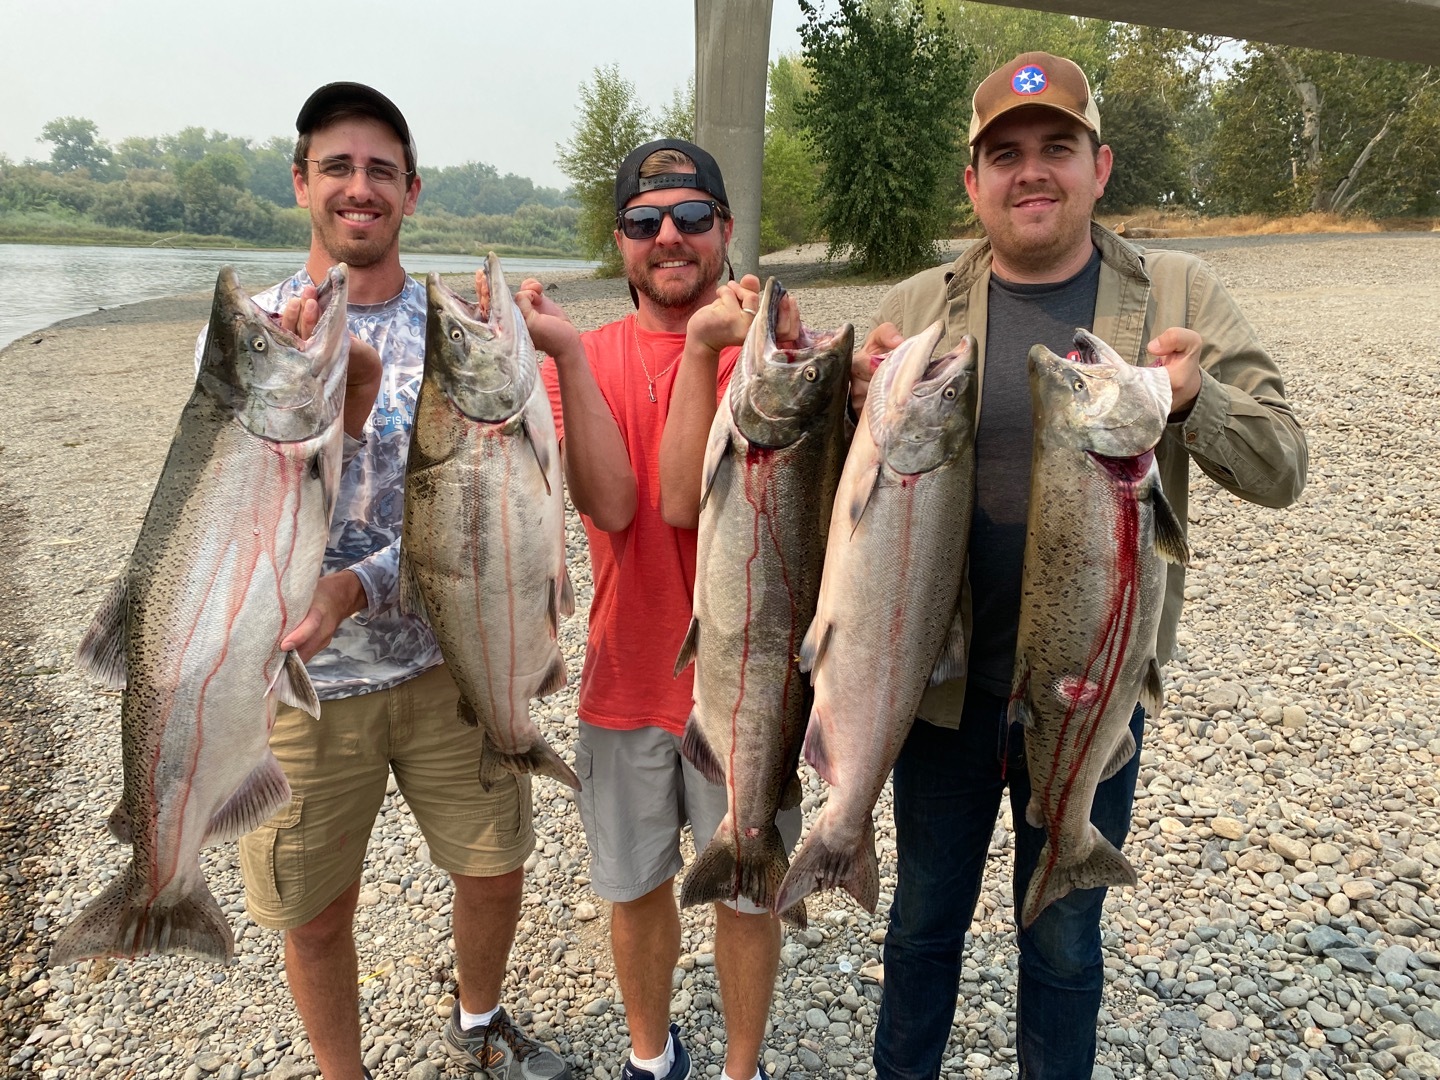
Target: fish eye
{"points": [[1078, 385], [949, 393], [810, 373], [456, 334], [259, 344]]}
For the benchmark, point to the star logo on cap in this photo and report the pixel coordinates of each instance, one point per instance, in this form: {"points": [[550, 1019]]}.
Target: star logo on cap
{"points": [[1028, 80]]}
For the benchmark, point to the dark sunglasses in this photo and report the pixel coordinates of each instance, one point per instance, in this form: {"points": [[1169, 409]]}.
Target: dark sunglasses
{"points": [[691, 217]]}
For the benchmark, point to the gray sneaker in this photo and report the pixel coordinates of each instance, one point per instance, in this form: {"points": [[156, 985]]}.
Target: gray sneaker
{"points": [[501, 1051]]}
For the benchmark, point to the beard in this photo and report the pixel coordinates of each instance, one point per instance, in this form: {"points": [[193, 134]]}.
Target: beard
{"points": [[677, 294], [357, 252]]}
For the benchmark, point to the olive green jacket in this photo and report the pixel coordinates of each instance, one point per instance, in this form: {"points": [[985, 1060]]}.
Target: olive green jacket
{"points": [[1240, 429]]}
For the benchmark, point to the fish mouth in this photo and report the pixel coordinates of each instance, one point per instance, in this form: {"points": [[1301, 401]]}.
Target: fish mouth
{"points": [[475, 320], [1126, 470]]}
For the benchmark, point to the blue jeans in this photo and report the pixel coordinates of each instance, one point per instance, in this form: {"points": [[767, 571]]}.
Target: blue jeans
{"points": [[948, 784]]}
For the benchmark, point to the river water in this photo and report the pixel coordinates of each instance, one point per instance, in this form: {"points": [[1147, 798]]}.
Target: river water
{"points": [[43, 283]]}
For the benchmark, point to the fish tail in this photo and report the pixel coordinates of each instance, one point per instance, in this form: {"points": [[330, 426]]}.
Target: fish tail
{"points": [[124, 921], [540, 758], [724, 871], [823, 864], [1105, 865]]}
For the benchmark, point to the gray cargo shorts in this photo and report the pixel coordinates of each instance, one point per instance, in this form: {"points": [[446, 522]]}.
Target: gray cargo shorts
{"points": [[637, 794]]}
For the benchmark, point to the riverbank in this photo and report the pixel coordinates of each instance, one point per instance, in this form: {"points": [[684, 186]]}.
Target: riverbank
{"points": [[1285, 825]]}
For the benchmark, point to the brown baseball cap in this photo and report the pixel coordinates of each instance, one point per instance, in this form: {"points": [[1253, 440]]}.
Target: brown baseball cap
{"points": [[1034, 78]]}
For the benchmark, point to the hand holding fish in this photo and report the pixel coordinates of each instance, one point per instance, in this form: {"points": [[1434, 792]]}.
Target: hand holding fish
{"points": [[726, 321], [550, 328], [880, 342], [363, 369], [337, 597], [1178, 351]]}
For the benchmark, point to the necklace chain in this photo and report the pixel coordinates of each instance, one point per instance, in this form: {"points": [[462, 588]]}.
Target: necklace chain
{"points": [[640, 349]]}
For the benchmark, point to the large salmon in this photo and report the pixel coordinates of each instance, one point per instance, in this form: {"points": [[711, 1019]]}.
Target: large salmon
{"points": [[771, 468], [484, 536], [224, 567], [1092, 589], [888, 619]]}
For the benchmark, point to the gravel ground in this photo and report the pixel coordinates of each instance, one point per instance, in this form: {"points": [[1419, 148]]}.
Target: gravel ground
{"points": [[1285, 829]]}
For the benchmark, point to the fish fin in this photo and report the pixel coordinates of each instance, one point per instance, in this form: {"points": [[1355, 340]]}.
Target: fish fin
{"points": [[119, 823], [542, 453], [257, 798], [724, 871], [1152, 691], [817, 640], [698, 752], [1035, 812], [554, 677], [1124, 751], [792, 795], [541, 759], [412, 597], [1170, 539], [688, 646], [1104, 866], [814, 748], [821, 864], [124, 921], [466, 712], [716, 447], [1018, 709], [861, 497], [292, 685], [951, 662], [566, 601], [101, 653]]}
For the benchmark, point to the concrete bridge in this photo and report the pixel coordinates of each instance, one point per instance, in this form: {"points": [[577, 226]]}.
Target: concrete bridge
{"points": [[732, 47]]}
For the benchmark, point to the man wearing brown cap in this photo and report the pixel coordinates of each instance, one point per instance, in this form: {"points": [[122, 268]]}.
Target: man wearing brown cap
{"points": [[1037, 168], [389, 704]]}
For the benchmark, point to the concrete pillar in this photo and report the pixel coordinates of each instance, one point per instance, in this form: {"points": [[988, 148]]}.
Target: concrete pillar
{"points": [[732, 56]]}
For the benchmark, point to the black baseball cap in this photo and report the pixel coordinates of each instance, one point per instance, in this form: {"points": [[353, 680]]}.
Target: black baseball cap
{"points": [[339, 98], [706, 177]]}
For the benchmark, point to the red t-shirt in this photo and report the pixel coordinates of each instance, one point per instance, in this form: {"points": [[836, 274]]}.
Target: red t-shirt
{"points": [[644, 575]]}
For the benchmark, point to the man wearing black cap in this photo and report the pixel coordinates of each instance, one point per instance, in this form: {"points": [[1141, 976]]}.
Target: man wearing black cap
{"points": [[1044, 268], [612, 390], [389, 703]]}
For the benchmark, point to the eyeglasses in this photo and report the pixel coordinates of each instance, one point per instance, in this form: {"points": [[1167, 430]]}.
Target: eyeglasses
{"points": [[691, 217], [340, 169]]}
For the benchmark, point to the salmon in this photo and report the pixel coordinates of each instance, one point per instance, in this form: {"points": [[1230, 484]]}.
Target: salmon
{"points": [[1098, 535], [224, 567], [888, 620], [772, 465], [483, 546]]}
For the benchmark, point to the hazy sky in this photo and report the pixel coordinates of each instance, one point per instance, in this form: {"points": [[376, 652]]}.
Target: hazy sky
{"points": [[479, 80]]}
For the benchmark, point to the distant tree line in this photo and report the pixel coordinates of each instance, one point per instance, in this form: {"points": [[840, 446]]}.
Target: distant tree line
{"points": [[209, 184], [866, 129]]}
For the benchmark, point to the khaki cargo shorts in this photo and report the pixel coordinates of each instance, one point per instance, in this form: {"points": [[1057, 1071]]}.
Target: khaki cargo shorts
{"points": [[303, 858]]}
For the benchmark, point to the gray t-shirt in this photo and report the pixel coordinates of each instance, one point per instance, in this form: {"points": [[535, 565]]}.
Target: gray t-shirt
{"points": [[1019, 316]]}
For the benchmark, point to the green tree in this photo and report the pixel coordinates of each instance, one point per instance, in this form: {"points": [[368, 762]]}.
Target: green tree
{"points": [[75, 145], [676, 119], [1301, 130], [790, 184], [611, 123], [887, 117]]}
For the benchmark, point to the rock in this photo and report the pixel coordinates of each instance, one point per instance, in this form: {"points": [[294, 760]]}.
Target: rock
{"points": [[1326, 854], [1423, 1064], [598, 1007], [1289, 848], [426, 1070], [1407, 868], [1228, 827], [1393, 960], [1225, 1045], [1323, 938], [209, 1061], [585, 911], [1293, 718], [792, 953], [817, 1020]]}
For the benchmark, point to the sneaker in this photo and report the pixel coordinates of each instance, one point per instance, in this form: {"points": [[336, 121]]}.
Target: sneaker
{"points": [[678, 1071], [501, 1051]]}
